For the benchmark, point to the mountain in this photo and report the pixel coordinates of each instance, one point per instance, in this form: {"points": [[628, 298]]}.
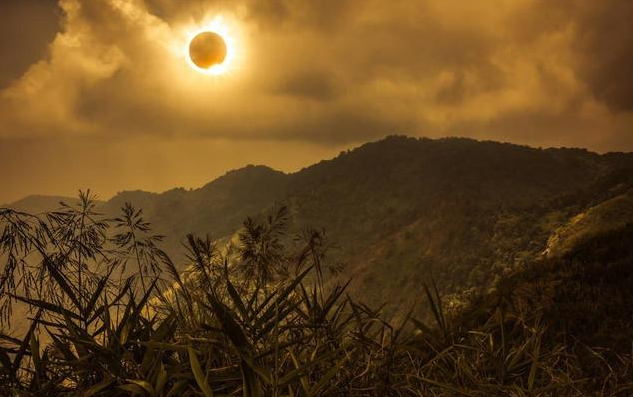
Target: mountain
{"points": [[37, 204], [402, 211]]}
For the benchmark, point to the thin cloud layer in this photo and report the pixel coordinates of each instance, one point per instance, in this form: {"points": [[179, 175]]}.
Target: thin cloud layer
{"points": [[330, 72]]}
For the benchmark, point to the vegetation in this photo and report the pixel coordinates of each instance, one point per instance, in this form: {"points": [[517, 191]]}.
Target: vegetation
{"points": [[111, 315]]}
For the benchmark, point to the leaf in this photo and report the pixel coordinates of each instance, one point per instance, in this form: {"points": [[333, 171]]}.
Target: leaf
{"points": [[132, 388], [163, 346], [331, 373], [448, 387], [161, 380], [95, 296], [252, 363], [231, 328], [236, 335], [300, 371], [47, 306], [35, 354], [282, 296], [198, 374], [17, 361], [436, 309], [237, 301], [143, 302], [95, 389], [303, 379], [176, 389], [61, 281], [5, 361], [535, 361], [143, 384], [103, 308]]}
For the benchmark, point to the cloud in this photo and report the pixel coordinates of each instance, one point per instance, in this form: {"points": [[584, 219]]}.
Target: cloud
{"points": [[605, 51], [28, 25], [315, 85], [334, 72]]}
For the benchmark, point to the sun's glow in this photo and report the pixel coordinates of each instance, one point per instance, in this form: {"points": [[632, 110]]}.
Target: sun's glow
{"points": [[217, 25]]}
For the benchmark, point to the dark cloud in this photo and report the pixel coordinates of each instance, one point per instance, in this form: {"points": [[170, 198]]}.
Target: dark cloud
{"points": [[27, 27], [269, 13], [453, 93], [292, 14], [605, 49], [315, 85]]}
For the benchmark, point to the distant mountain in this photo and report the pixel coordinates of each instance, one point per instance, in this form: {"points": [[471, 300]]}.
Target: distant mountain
{"points": [[404, 210], [36, 204]]}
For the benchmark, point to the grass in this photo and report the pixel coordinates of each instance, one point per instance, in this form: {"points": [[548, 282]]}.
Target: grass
{"points": [[111, 316]]}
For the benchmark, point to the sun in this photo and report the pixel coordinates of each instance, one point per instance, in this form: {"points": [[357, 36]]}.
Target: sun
{"points": [[207, 49], [211, 48]]}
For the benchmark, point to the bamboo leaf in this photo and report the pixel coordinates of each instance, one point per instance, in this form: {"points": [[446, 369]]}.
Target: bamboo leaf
{"points": [[331, 373], [143, 384], [199, 374], [61, 281], [449, 387], [47, 306], [99, 387], [95, 296], [535, 362]]}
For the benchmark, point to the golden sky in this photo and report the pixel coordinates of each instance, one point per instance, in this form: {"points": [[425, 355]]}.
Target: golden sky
{"points": [[99, 93]]}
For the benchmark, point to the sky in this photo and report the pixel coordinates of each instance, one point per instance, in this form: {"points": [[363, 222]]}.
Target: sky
{"points": [[100, 94]]}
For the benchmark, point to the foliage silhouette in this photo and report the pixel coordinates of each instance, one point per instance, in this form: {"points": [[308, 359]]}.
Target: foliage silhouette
{"points": [[253, 318]]}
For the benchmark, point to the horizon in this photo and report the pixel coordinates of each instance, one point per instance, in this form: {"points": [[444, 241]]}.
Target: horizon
{"points": [[106, 197]]}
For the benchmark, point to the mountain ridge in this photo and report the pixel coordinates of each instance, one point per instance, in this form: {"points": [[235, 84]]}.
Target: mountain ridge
{"points": [[404, 210], [619, 155]]}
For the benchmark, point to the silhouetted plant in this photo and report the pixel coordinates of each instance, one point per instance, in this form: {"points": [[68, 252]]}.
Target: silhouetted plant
{"points": [[262, 249]]}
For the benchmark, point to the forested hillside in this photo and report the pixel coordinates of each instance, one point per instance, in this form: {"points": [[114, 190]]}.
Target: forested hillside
{"points": [[460, 211]]}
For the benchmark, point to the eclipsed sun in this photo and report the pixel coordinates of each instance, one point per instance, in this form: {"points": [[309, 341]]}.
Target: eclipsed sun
{"points": [[210, 49], [207, 49]]}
